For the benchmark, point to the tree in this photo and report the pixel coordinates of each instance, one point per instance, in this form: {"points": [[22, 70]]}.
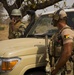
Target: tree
{"points": [[25, 5]]}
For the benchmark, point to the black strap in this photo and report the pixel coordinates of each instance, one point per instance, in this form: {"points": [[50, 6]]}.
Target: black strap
{"points": [[63, 29], [59, 34]]}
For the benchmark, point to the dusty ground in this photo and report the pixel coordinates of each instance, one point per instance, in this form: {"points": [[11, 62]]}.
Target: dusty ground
{"points": [[3, 32]]}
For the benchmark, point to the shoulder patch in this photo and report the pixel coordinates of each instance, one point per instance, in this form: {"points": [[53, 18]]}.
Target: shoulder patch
{"points": [[66, 36]]}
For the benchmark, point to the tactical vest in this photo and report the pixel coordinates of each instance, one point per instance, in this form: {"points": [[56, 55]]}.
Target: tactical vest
{"points": [[13, 30], [57, 44]]}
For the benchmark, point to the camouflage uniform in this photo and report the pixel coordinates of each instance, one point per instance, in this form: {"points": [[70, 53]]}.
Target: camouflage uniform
{"points": [[16, 27], [16, 30], [64, 36]]}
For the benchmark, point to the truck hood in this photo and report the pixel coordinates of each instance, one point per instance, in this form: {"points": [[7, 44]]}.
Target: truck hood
{"points": [[21, 46]]}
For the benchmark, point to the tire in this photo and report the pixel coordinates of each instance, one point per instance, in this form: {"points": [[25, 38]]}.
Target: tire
{"points": [[37, 73]]}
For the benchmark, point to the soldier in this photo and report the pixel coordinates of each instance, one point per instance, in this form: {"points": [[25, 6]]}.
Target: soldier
{"points": [[16, 27], [62, 44]]}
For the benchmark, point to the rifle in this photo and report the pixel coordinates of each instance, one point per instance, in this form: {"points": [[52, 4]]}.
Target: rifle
{"points": [[47, 68]]}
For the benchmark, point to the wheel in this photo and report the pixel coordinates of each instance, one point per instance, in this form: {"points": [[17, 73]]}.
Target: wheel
{"points": [[37, 73]]}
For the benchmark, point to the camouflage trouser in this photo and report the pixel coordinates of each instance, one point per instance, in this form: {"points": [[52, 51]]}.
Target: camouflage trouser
{"points": [[68, 70]]}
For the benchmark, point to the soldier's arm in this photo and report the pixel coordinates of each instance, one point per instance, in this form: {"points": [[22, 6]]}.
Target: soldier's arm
{"points": [[11, 29], [67, 36], [67, 49], [20, 32]]}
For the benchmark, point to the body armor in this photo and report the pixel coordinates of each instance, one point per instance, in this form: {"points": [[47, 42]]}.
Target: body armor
{"points": [[16, 30], [56, 47]]}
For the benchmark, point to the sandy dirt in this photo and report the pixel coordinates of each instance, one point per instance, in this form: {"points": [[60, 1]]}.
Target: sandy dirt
{"points": [[4, 32]]}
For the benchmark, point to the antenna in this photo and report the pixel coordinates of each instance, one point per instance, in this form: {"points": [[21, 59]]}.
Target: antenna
{"points": [[57, 5], [64, 4]]}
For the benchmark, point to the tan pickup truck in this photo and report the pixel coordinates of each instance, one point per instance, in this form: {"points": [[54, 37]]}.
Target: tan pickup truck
{"points": [[22, 56], [26, 56]]}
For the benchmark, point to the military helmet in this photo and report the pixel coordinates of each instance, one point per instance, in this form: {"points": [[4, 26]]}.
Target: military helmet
{"points": [[59, 14], [16, 12]]}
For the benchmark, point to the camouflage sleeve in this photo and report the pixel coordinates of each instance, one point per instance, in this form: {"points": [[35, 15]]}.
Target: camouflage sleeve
{"points": [[20, 32]]}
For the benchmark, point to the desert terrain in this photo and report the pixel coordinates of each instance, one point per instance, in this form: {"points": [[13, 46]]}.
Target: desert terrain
{"points": [[4, 32]]}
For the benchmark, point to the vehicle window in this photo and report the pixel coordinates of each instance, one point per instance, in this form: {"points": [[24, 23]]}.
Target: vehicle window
{"points": [[43, 25], [70, 19]]}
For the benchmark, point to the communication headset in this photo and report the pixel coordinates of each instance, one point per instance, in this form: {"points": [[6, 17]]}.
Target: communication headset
{"points": [[56, 15]]}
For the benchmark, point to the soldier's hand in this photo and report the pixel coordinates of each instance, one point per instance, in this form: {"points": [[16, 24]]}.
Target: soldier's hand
{"points": [[13, 21], [52, 68], [53, 71]]}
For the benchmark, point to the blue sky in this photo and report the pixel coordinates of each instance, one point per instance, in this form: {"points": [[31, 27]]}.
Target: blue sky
{"points": [[51, 8]]}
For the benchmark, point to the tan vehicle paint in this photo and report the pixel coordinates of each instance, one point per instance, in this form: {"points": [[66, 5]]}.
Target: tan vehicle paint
{"points": [[31, 52]]}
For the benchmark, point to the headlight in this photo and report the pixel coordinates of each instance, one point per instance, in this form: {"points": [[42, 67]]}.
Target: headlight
{"points": [[7, 64]]}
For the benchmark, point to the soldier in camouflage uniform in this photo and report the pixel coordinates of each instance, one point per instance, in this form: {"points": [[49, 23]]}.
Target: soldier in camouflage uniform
{"points": [[16, 27], [62, 45]]}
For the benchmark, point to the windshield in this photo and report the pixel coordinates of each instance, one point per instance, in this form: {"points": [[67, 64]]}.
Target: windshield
{"points": [[70, 19], [43, 25]]}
